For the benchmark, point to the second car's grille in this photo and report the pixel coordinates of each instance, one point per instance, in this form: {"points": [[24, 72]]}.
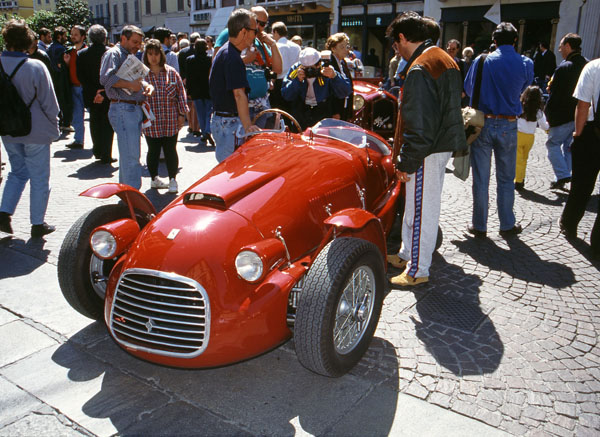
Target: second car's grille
{"points": [[384, 115], [160, 312]]}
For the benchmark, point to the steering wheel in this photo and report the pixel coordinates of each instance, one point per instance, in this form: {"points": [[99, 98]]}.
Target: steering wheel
{"points": [[278, 113]]}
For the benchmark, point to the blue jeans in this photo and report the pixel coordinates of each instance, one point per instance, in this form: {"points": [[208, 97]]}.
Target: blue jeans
{"points": [[499, 136], [559, 149], [203, 109], [28, 162], [223, 132], [126, 120], [78, 112]]}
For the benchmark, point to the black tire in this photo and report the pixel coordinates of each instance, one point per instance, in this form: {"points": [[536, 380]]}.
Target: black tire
{"points": [[394, 239], [440, 238], [75, 257], [322, 298]]}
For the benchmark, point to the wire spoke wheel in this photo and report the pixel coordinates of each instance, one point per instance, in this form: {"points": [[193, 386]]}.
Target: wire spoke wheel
{"points": [[354, 310], [339, 306]]}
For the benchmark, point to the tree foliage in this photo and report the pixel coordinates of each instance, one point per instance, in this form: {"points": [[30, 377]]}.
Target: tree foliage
{"points": [[67, 14]]}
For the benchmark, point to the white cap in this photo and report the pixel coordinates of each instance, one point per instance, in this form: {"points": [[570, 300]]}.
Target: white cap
{"points": [[309, 57]]}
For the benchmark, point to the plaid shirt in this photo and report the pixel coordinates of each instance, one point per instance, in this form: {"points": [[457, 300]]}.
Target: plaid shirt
{"points": [[167, 102]]}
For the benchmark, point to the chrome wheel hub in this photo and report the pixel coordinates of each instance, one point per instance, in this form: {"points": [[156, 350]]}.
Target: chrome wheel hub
{"points": [[354, 310], [98, 276]]}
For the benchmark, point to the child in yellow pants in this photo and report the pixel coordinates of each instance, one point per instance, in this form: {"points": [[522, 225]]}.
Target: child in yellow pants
{"points": [[532, 117]]}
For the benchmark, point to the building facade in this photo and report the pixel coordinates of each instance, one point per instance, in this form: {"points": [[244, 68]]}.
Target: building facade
{"points": [[146, 14], [536, 20], [23, 8]]}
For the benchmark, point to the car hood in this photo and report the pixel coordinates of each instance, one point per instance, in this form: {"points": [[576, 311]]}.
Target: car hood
{"points": [[290, 183]]}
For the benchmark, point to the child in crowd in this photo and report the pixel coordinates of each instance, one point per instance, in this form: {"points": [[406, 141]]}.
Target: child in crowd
{"points": [[532, 117]]}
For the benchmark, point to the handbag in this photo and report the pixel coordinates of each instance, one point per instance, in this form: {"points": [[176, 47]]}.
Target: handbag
{"points": [[473, 120]]}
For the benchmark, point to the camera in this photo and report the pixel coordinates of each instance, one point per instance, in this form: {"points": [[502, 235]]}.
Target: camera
{"points": [[269, 74], [312, 71]]}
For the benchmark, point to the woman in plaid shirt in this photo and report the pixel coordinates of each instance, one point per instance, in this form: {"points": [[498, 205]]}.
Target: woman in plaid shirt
{"points": [[168, 103]]}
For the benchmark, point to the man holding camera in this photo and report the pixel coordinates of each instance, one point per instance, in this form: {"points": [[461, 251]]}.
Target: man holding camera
{"points": [[309, 86], [263, 62]]}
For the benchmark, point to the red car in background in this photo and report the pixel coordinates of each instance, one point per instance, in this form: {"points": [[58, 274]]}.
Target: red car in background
{"points": [[375, 109]]}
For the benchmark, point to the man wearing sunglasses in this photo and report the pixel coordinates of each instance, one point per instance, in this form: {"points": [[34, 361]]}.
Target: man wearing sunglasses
{"points": [[229, 85], [263, 62]]}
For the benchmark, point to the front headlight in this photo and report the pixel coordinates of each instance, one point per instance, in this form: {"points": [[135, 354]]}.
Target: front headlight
{"points": [[358, 103], [249, 265], [103, 244]]}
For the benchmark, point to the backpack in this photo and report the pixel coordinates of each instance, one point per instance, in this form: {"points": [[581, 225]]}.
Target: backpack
{"points": [[15, 116]]}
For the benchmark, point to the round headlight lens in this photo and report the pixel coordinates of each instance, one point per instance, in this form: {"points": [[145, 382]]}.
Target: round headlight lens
{"points": [[249, 265], [358, 103], [103, 244]]}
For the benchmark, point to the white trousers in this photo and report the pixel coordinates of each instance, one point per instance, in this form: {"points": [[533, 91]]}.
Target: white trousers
{"points": [[422, 214]]}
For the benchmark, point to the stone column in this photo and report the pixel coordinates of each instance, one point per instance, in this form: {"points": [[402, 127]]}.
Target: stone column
{"points": [[464, 36], [521, 33], [554, 22]]}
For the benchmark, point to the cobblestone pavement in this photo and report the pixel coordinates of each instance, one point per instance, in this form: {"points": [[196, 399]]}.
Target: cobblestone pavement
{"points": [[506, 331]]}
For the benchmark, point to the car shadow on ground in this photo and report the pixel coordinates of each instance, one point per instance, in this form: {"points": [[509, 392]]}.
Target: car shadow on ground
{"points": [[95, 170], [20, 258], [517, 261], [453, 324], [268, 395]]}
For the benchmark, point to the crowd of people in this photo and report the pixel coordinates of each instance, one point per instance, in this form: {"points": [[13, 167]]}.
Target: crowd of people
{"points": [[220, 87]]}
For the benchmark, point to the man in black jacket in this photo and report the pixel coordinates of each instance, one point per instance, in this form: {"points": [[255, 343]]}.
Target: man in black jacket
{"points": [[560, 110], [544, 64], [430, 129], [94, 98]]}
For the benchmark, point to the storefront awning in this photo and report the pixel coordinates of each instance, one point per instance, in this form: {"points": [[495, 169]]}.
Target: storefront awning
{"points": [[219, 21], [509, 12]]}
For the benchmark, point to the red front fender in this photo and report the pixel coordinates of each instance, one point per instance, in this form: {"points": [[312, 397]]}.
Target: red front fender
{"points": [[358, 223], [132, 197]]}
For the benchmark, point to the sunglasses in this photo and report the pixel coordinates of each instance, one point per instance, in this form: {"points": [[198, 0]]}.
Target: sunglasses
{"points": [[249, 28], [262, 23]]}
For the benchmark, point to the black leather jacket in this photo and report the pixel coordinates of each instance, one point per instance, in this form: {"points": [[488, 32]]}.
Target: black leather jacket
{"points": [[560, 108], [431, 117]]}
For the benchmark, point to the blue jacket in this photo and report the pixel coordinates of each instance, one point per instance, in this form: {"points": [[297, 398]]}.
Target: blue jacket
{"points": [[293, 90]]}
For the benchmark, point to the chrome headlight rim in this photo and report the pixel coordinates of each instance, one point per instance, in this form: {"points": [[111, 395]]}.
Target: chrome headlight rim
{"points": [[358, 102], [103, 244], [249, 265]]}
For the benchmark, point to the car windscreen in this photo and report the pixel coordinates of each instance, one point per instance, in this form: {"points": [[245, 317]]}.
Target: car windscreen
{"points": [[350, 133]]}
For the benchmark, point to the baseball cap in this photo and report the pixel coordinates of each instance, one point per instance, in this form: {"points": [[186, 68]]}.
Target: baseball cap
{"points": [[309, 56]]}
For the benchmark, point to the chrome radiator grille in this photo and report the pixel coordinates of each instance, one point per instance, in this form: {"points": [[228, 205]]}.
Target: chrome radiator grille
{"points": [[161, 313]]}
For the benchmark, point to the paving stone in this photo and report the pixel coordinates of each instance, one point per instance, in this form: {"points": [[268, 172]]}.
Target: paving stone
{"points": [[511, 410], [20, 340], [565, 409], [14, 402], [41, 425]]}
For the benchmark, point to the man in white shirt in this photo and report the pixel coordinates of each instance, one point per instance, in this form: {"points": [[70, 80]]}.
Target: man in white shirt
{"points": [[585, 152], [289, 56]]}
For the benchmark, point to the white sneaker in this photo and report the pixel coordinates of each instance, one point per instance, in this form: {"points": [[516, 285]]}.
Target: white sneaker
{"points": [[172, 186], [157, 183]]}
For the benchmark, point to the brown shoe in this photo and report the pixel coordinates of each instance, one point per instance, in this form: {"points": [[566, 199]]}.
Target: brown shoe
{"points": [[396, 261], [405, 280]]}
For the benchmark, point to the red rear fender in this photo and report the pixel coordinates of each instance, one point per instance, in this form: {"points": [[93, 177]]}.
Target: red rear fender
{"points": [[129, 195]]}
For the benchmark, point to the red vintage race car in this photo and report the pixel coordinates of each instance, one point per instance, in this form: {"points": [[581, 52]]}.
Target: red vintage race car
{"points": [[286, 237], [375, 109]]}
